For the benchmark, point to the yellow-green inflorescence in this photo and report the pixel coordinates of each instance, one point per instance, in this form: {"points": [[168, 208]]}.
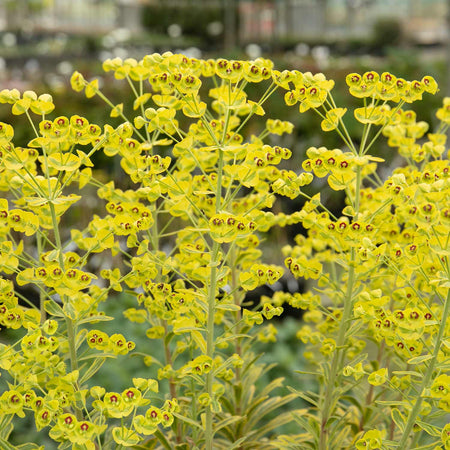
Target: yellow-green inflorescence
{"points": [[183, 235]]}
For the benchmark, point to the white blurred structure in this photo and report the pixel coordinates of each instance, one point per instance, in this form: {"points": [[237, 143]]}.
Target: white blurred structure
{"points": [[423, 20]]}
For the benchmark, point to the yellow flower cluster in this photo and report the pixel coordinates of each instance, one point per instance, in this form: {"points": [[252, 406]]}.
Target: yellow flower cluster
{"points": [[184, 236]]}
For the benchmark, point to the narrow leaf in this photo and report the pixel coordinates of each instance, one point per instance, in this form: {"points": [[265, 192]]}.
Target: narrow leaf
{"points": [[428, 428], [187, 420], [96, 318], [51, 307], [93, 368], [227, 421], [419, 359], [398, 418]]}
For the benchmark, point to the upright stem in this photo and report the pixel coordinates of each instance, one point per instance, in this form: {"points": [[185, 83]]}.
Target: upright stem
{"points": [[338, 357], [426, 379], [237, 301], [210, 343], [337, 363], [172, 382], [41, 292], [210, 347], [71, 328]]}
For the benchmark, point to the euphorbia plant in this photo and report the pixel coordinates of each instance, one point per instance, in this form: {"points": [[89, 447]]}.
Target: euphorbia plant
{"points": [[189, 234], [382, 273]]}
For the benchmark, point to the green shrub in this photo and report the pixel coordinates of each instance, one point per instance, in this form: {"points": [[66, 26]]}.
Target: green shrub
{"points": [[386, 32], [193, 19]]}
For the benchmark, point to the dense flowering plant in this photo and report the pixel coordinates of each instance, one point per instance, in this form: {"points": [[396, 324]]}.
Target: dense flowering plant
{"points": [[183, 236]]}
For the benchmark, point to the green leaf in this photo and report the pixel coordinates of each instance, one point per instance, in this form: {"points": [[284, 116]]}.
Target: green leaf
{"points": [[419, 359], [53, 255], [398, 418], [93, 368], [6, 426], [407, 372], [30, 446], [227, 421], [4, 445], [267, 407], [169, 337], [428, 428], [228, 306], [51, 307], [430, 446], [95, 319], [277, 422], [80, 339], [303, 421], [187, 420], [162, 439], [215, 406], [305, 372], [277, 383], [232, 338], [304, 395], [35, 201], [390, 444], [69, 309], [392, 403], [341, 436], [240, 441]]}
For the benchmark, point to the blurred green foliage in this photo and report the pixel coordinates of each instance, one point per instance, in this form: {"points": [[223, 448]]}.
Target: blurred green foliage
{"points": [[194, 20], [387, 32]]}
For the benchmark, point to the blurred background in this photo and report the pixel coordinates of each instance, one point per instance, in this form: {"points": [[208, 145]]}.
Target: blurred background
{"points": [[42, 40]]}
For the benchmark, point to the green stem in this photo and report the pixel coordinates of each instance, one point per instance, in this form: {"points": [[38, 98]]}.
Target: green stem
{"points": [[338, 356], [337, 363], [270, 90], [426, 380], [308, 197], [210, 347], [346, 138], [121, 114], [388, 122], [168, 360], [41, 293], [210, 343], [71, 328], [237, 297]]}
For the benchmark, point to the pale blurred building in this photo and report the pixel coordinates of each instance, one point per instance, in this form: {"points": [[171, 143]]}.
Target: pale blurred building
{"points": [[422, 20]]}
